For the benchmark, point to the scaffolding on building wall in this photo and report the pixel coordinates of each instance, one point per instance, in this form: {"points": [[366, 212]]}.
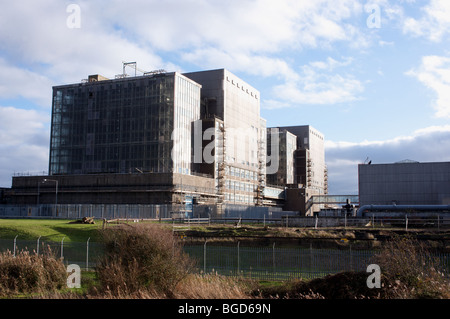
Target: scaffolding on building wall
{"points": [[221, 166], [309, 173], [261, 173]]}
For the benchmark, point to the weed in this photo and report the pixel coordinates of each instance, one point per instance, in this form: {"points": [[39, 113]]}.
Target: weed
{"points": [[409, 270], [142, 257], [28, 273]]}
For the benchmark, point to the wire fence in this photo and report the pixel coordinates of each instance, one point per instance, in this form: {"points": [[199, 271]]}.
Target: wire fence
{"points": [[260, 262], [272, 263], [85, 254]]}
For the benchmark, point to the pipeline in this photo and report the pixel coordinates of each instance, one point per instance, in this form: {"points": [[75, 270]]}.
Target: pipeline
{"points": [[365, 208]]}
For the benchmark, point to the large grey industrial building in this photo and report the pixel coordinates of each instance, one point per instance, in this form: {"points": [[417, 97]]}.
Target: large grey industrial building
{"points": [[169, 138], [404, 183], [406, 187]]}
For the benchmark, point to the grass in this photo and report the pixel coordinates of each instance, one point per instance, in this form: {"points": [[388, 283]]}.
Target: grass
{"points": [[49, 230], [407, 271]]}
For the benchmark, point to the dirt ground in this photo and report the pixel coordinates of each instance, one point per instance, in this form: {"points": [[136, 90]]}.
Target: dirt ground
{"points": [[363, 238]]}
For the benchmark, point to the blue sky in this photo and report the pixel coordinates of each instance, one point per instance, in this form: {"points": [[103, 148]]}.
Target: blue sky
{"points": [[372, 76]]}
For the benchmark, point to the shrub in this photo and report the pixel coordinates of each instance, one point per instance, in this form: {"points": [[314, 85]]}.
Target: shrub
{"points": [[141, 257], [30, 273], [409, 270]]}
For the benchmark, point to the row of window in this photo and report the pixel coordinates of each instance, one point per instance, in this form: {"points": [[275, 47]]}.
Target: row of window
{"points": [[241, 86], [241, 173], [240, 186], [241, 199]]}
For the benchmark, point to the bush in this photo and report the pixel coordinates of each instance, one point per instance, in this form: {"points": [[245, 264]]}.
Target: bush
{"points": [[30, 273], [409, 270], [141, 257]]}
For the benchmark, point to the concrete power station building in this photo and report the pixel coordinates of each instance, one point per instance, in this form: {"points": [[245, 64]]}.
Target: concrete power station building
{"points": [[302, 169], [405, 186], [170, 139]]}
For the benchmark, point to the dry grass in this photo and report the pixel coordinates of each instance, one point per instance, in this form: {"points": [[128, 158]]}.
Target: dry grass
{"points": [[145, 261], [28, 273], [409, 270], [212, 286], [140, 258], [193, 286]]}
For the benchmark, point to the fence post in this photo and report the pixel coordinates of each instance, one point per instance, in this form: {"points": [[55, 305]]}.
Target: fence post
{"points": [[62, 248], [37, 246], [87, 254], [238, 268], [273, 257], [351, 257], [317, 220], [15, 245], [406, 222], [204, 257]]}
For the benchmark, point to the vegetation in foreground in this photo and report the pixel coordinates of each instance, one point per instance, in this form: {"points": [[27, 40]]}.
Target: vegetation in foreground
{"points": [[146, 261]]}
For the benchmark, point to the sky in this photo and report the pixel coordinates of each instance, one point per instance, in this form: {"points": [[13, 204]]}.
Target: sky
{"points": [[372, 75]]}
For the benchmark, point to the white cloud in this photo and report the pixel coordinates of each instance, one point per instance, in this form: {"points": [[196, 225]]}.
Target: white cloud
{"points": [[259, 65], [36, 37], [16, 82], [21, 126], [434, 24], [319, 83], [428, 144], [434, 73], [245, 26], [245, 36], [24, 136]]}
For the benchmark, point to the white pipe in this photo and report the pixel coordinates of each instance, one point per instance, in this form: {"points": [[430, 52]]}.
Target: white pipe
{"points": [[364, 208]]}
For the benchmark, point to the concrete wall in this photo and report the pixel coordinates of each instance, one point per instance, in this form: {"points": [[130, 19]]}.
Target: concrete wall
{"points": [[152, 188], [404, 184]]}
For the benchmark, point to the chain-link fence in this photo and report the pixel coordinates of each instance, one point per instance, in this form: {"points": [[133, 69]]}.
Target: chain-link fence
{"points": [[85, 254], [260, 262], [277, 263]]}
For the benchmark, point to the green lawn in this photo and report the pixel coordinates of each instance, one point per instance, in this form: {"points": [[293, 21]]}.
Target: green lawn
{"points": [[48, 229]]}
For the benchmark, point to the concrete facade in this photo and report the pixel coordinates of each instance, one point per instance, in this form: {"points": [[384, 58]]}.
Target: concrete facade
{"points": [[152, 188], [132, 140], [285, 148], [236, 164], [302, 169], [409, 183], [310, 145]]}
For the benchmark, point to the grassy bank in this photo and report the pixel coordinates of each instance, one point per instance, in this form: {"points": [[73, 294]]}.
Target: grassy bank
{"points": [[146, 261], [48, 229], [56, 229]]}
